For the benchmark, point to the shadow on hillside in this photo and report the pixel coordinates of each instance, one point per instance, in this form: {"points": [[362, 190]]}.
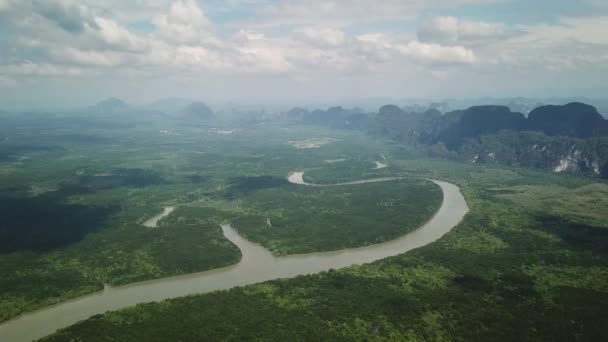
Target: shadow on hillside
{"points": [[576, 235], [45, 223]]}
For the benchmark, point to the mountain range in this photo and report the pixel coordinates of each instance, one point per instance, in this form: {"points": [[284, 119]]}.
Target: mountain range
{"points": [[563, 138]]}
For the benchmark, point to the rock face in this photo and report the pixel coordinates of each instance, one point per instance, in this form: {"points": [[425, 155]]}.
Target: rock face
{"points": [[390, 111], [572, 138], [573, 120], [198, 110], [408, 127], [454, 127], [537, 150], [564, 139], [333, 117]]}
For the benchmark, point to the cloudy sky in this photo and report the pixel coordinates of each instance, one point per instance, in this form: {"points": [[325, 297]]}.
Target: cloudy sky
{"points": [[70, 52]]}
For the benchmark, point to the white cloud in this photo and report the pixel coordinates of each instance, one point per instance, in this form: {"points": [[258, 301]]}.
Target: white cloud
{"points": [[70, 15], [590, 30], [4, 5], [199, 57], [118, 36], [323, 37], [437, 54], [185, 23], [86, 57], [376, 39], [568, 45], [256, 59], [315, 42], [40, 69], [383, 45], [375, 47], [248, 35], [452, 30]]}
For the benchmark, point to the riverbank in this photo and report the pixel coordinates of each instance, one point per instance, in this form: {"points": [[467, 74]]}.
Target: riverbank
{"points": [[257, 265]]}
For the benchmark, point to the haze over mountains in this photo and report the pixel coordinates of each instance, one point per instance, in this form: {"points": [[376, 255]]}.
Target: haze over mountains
{"points": [[571, 138]]}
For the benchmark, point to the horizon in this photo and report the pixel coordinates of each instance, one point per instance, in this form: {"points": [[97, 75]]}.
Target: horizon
{"points": [[370, 105]]}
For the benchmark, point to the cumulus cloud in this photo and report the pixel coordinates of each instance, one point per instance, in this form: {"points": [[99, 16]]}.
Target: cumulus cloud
{"points": [[324, 37], [589, 30], [452, 30], [118, 36], [69, 15], [4, 5], [87, 57], [437, 54], [317, 40], [40, 69], [570, 44], [382, 45], [375, 47], [185, 23], [248, 36]]}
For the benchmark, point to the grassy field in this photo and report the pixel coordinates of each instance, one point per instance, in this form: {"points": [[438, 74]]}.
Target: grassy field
{"points": [[529, 262]]}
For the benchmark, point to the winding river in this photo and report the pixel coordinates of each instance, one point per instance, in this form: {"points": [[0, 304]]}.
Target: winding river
{"points": [[257, 265], [153, 221]]}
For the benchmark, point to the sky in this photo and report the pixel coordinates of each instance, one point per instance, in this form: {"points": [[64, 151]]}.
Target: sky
{"points": [[72, 52]]}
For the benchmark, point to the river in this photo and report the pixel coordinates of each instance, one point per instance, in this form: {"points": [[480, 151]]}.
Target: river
{"points": [[257, 265], [153, 221]]}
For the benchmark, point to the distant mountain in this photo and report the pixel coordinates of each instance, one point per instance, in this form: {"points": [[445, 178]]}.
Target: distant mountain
{"points": [[404, 126], [334, 117], [297, 114], [110, 106], [168, 105], [573, 120], [537, 150], [454, 127], [570, 138], [199, 111], [442, 107]]}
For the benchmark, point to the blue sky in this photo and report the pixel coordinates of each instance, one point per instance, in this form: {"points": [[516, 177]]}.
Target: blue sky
{"points": [[68, 52]]}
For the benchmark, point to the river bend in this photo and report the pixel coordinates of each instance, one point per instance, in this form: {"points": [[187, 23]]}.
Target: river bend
{"points": [[257, 265]]}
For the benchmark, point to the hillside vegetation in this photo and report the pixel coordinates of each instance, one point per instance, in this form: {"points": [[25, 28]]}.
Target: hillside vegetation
{"points": [[512, 270], [572, 138]]}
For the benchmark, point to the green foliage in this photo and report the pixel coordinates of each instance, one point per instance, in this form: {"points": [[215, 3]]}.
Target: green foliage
{"points": [[505, 273], [528, 263], [573, 135], [536, 150], [189, 240], [246, 185], [76, 190], [344, 171], [300, 219]]}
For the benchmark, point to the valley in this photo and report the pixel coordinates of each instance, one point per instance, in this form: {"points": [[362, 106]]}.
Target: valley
{"points": [[157, 207], [281, 170]]}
